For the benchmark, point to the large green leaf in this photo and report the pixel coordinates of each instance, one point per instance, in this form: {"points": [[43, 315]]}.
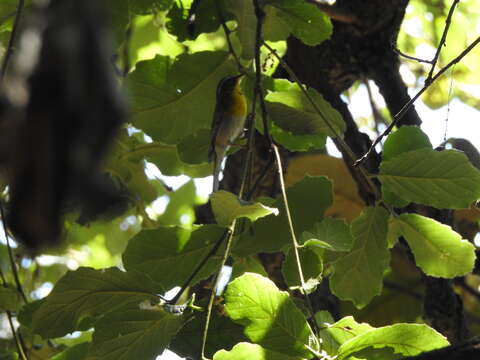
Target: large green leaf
{"points": [[404, 339], [308, 200], [366, 262], [442, 179], [305, 21], [247, 351], [439, 251], [292, 111], [270, 317], [156, 252], [134, 334], [172, 101], [405, 139], [88, 292], [227, 206]]}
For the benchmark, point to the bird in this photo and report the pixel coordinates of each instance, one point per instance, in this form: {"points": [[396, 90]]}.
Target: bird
{"points": [[228, 121]]}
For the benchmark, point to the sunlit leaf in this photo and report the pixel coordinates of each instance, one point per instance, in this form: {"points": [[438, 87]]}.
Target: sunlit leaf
{"points": [[443, 179], [270, 317], [247, 351], [335, 334], [226, 207], [404, 339], [292, 111], [439, 251]]}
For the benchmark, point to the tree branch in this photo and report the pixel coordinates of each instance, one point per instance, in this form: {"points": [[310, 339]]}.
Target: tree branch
{"points": [[11, 42]]}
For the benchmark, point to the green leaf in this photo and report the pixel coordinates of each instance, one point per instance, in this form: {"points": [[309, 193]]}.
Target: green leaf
{"points": [[297, 142], [206, 19], [331, 234], [167, 159], [366, 262], [193, 149], [156, 252], [77, 352], [270, 317], [227, 206], [305, 21], [247, 23], [439, 251], [247, 351], [404, 339], [312, 267], [9, 299], [442, 179], [87, 292], [247, 264], [335, 334], [171, 102], [407, 138], [134, 334], [308, 200], [292, 111]]}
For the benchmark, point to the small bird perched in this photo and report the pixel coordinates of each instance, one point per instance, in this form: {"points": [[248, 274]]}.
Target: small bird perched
{"points": [[228, 121]]}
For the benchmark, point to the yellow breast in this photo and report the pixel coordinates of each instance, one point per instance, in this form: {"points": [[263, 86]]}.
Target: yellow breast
{"points": [[239, 103]]}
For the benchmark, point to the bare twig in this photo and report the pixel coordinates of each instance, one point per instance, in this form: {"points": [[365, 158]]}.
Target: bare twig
{"points": [[11, 42], [397, 51], [442, 40], [407, 106]]}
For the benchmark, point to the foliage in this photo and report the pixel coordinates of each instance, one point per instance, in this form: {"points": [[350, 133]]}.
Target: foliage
{"points": [[120, 308]]}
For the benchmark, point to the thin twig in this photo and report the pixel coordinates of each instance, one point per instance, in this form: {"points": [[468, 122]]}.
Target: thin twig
{"points": [[407, 106], [398, 52], [11, 42], [11, 257], [442, 40], [200, 265], [296, 245], [18, 341], [225, 256]]}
